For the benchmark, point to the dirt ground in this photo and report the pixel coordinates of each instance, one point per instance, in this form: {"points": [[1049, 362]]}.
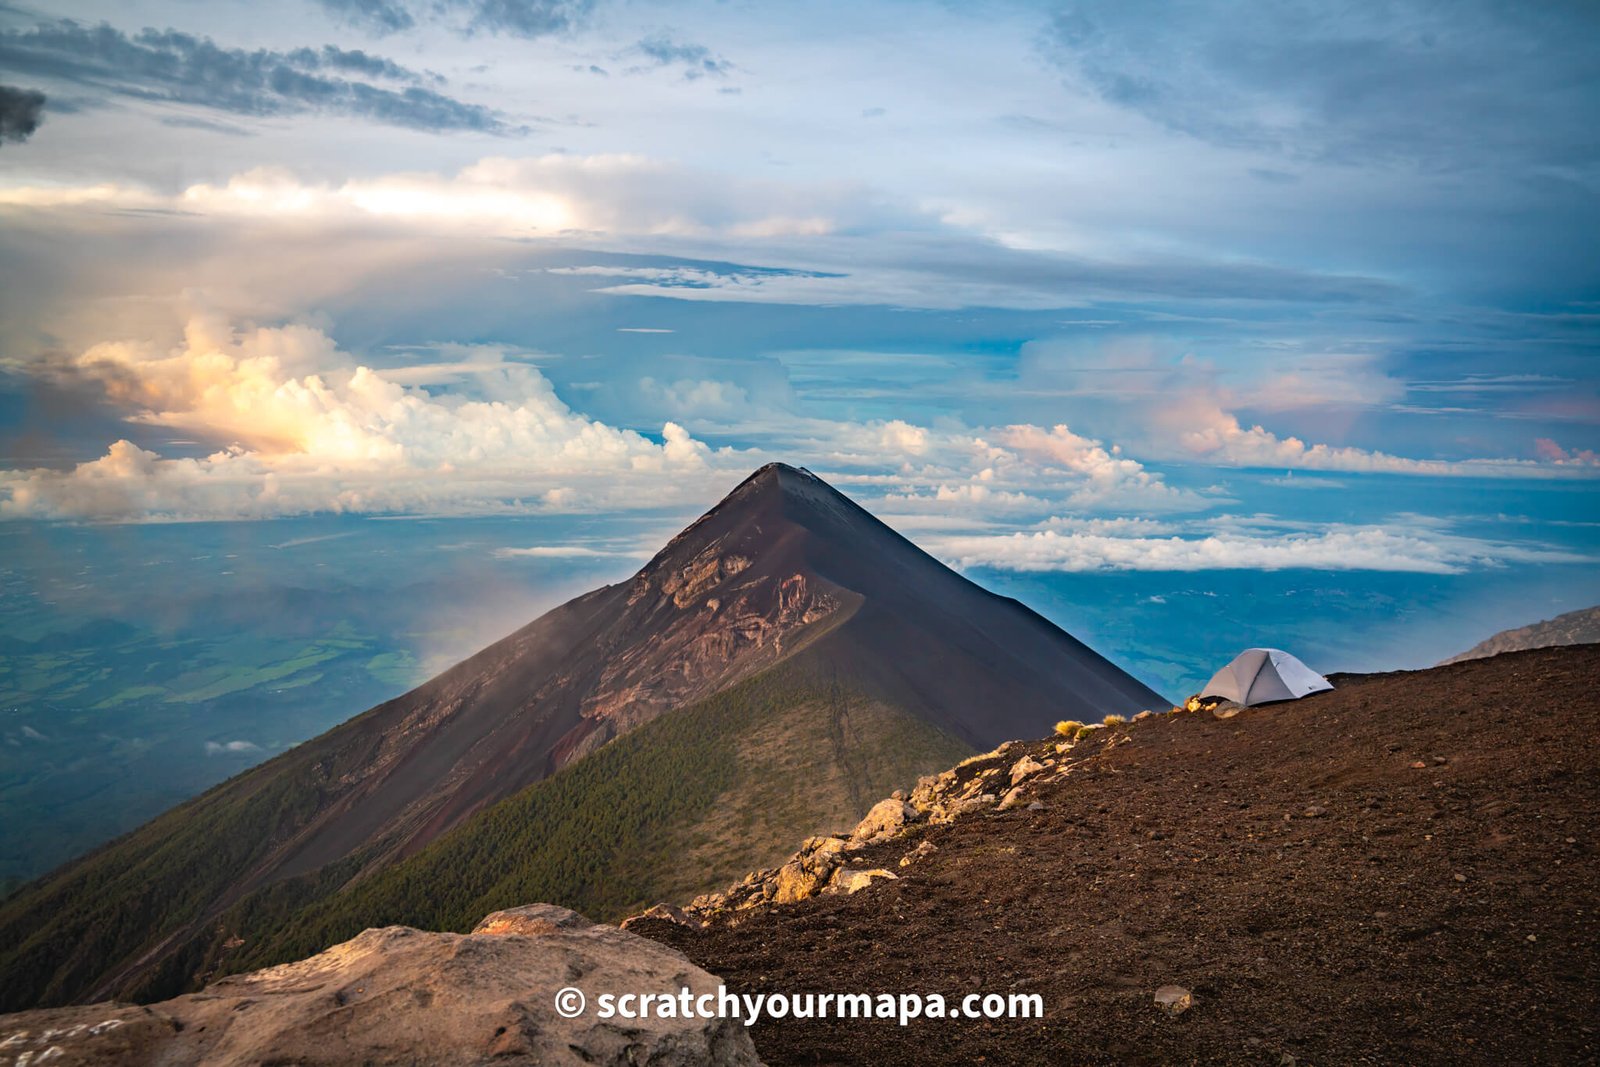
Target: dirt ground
{"points": [[1326, 900]]}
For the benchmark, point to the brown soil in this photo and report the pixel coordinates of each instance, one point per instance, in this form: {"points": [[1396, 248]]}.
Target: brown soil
{"points": [[1442, 914]]}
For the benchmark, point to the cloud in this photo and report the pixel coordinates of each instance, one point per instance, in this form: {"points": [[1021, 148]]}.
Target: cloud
{"points": [[1463, 86], [549, 195], [1006, 471], [522, 18], [170, 66], [1198, 428], [566, 552], [304, 429], [1110, 478], [1550, 452], [695, 60], [1355, 548], [21, 111], [379, 16], [218, 748], [299, 426]]}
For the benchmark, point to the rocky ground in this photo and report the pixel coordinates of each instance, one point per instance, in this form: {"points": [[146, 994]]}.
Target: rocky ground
{"points": [[1398, 871], [397, 996]]}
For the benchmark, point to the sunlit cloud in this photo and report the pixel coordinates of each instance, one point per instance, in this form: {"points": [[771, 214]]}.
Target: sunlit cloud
{"points": [[300, 426]]}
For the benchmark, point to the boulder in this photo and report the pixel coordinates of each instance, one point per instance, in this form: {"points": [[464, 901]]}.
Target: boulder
{"points": [[887, 818], [402, 996]]}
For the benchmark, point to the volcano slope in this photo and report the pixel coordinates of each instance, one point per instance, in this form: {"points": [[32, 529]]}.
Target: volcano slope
{"points": [[779, 664], [1402, 870]]}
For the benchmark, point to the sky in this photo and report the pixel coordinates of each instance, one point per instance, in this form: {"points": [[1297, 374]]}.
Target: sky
{"points": [[1096, 289]]}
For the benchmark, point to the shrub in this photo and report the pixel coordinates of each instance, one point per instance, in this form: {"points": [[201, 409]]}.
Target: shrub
{"points": [[1069, 728], [1114, 720]]}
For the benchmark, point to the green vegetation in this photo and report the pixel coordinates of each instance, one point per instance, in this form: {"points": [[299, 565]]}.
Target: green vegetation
{"points": [[1114, 720], [683, 804]]}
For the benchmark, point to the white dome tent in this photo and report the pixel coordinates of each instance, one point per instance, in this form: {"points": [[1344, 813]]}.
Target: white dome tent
{"points": [[1262, 675]]}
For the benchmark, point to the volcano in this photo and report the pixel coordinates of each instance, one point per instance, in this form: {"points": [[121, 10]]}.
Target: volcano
{"points": [[634, 743]]}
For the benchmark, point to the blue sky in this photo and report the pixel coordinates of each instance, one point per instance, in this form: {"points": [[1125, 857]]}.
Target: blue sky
{"points": [[1102, 289]]}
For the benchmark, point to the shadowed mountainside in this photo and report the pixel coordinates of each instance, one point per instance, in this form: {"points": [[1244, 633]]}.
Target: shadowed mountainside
{"points": [[792, 636]]}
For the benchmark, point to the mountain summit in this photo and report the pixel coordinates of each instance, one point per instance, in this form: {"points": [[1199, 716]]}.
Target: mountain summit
{"points": [[786, 635]]}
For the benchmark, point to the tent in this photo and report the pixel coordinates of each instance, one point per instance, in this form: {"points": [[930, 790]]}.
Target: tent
{"points": [[1261, 675]]}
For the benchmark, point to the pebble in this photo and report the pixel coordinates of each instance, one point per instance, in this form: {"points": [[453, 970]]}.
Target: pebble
{"points": [[1314, 812], [1174, 999], [1419, 766], [1461, 878]]}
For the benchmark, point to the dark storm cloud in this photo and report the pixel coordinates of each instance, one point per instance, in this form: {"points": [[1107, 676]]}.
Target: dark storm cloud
{"points": [[172, 66], [20, 112], [379, 16], [696, 60], [1439, 86]]}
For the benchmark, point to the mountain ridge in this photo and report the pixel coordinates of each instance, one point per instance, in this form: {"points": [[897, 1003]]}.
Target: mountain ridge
{"points": [[1581, 627]]}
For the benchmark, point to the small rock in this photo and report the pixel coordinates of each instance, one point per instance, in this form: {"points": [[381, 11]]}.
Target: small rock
{"points": [[1315, 811], [1533, 937], [1419, 766], [969, 804], [1024, 767], [667, 913], [922, 851], [1461, 878], [1012, 799], [1143, 715], [1440, 761], [1036, 806], [847, 881], [1174, 999]]}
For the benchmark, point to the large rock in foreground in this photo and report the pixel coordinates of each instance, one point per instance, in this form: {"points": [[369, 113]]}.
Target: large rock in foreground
{"points": [[403, 996]]}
